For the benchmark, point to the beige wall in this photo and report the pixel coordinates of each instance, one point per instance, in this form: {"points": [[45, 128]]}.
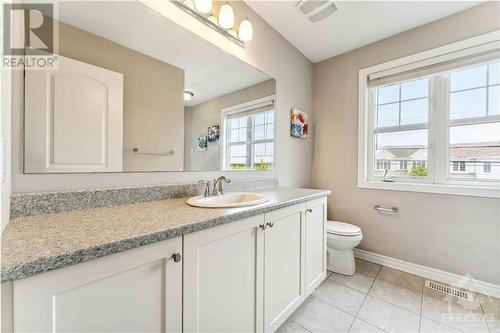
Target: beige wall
{"points": [[200, 116], [457, 234], [270, 53]]}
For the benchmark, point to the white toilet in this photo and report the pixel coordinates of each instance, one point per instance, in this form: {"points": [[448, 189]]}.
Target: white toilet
{"points": [[341, 239]]}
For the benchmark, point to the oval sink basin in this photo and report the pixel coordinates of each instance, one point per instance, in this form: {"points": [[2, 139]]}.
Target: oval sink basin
{"points": [[228, 200]]}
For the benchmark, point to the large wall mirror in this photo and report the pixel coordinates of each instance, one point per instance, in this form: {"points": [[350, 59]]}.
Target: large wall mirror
{"points": [[135, 92]]}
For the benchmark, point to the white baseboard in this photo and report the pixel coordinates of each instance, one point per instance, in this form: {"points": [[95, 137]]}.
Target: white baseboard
{"points": [[456, 280]]}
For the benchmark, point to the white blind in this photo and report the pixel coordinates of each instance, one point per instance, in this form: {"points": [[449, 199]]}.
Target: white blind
{"points": [[430, 67], [251, 109]]}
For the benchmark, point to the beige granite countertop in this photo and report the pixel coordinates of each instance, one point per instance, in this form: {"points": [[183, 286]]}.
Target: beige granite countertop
{"points": [[31, 245]]}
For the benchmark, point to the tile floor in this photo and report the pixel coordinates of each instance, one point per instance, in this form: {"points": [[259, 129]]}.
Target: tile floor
{"points": [[381, 299]]}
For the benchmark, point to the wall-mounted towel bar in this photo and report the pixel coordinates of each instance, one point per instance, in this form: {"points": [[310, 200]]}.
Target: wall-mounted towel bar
{"points": [[153, 152], [392, 210]]}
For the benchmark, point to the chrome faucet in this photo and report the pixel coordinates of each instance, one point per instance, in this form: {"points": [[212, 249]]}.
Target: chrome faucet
{"points": [[218, 190]]}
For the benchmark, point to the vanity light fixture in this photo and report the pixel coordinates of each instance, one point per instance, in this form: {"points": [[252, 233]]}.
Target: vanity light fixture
{"points": [[188, 95], [226, 16], [222, 22]]}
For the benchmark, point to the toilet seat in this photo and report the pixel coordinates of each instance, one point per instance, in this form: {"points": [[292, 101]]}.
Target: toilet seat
{"points": [[342, 229]]}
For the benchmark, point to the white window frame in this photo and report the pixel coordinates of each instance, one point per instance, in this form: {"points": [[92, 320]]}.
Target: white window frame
{"points": [[239, 108], [469, 47]]}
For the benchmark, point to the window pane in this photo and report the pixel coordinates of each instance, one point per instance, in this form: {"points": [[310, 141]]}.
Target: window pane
{"points": [[242, 122], [388, 94], [468, 78], [403, 154], [414, 112], [414, 89], [270, 117], [270, 131], [260, 119], [388, 115], [472, 149], [263, 156], [467, 104], [494, 74], [234, 123], [494, 100], [242, 135], [259, 133], [234, 135]]}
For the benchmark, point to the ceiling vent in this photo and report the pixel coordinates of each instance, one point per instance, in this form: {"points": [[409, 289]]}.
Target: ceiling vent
{"points": [[316, 10]]}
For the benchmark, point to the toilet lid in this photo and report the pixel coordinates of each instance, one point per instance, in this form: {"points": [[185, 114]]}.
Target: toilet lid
{"points": [[342, 229]]}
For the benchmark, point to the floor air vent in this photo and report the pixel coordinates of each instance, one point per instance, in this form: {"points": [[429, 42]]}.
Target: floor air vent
{"points": [[455, 292]]}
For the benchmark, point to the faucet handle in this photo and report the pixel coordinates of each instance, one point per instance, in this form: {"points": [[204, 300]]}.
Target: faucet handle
{"points": [[207, 187]]}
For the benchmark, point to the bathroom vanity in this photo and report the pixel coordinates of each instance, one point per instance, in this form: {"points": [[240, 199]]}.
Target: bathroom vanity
{"points": [[165, 266]]}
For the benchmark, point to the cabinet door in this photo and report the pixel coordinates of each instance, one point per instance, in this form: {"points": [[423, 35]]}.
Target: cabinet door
{"points": [[223, 277], [139, 290], [315, 248], [284, 262]]}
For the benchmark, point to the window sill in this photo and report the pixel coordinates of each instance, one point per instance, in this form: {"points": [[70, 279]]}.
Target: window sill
{"points": [[464, 190]]}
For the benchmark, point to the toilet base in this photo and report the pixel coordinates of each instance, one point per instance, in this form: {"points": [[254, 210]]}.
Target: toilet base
{"points": [[341, 261]]}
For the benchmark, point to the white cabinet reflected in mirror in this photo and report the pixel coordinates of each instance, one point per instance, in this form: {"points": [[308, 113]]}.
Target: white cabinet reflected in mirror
{"points": [[158, 99]]}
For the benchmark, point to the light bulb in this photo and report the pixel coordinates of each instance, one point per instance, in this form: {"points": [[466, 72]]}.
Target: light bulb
{"points": [[226, 16], [245, 32], [203, 6]]}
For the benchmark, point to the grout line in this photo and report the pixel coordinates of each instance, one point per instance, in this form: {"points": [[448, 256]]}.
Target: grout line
{"points": [[297, 324], [364, 321]]}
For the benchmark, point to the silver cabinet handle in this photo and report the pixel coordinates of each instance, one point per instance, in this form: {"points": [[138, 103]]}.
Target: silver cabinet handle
{"points": [[177, 257], [392, 210], [309, 210], [270, 224]]}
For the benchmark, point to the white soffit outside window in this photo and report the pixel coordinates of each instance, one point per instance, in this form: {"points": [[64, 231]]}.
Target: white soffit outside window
{"points": [[469, 47]]}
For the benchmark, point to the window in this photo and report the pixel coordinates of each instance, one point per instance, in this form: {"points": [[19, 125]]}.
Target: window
{"points": [[437, 115], [249, 136]]}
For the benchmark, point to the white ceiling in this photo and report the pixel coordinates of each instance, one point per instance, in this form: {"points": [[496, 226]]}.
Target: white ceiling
{"points": [[209, 72], [354, 24]]}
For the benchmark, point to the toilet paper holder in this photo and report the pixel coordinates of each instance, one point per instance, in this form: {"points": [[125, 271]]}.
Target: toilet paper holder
{"points": [[392, 210]]}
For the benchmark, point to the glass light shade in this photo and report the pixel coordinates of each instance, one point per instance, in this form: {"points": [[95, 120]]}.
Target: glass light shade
{"points": [[188, 96], [245, 32], [203, 6], [226, 16]]}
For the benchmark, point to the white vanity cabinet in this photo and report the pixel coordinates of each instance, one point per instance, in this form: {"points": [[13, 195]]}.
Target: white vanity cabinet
{"points": [[250, 275], [138, 290]]}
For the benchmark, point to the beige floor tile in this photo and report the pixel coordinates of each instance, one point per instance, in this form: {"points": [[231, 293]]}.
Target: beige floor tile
{"points": [[388, 317], [343, 298], [462, 315], [290, 326], [491, 309], [357, 281], [431, 326], [360, 326], [318, 316], [367, 268], [397, 295], [400, 278]]}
